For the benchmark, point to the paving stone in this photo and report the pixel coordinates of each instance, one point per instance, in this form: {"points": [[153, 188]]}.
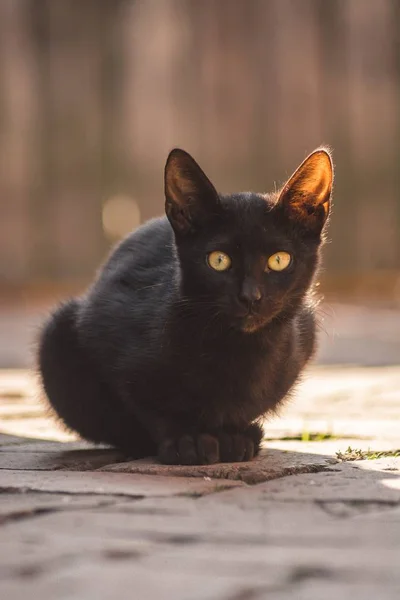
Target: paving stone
{"points": [[96, 482], [112, 579], [15, 507], [199, 554], [184, 522], [367, 480], [72, 460], [263, 548], [259, 522], [270, 464], [164, 532]]}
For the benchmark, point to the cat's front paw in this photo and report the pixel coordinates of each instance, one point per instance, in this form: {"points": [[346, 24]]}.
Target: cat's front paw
{"points": [[240, 446], [207, 449], [200, 449]]}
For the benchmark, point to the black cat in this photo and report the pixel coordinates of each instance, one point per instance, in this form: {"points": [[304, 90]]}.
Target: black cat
{"points": [[199, 323]]}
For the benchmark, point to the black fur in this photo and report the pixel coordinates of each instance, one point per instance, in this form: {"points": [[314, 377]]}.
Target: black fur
{"points": [[159, 357]]}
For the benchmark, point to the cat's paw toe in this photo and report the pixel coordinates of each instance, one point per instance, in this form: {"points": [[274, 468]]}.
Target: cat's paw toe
{"points": [[255, 433], [187, 450], [208, 449], [202, 449], [168, 452], [239, 447], [232, 447]]}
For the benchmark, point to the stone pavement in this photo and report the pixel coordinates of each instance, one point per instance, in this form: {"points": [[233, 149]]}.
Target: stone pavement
{"points": [[80, 522]]}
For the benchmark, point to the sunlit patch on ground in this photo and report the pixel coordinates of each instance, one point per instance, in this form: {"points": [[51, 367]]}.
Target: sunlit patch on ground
{"points": [[333, 406], [23, 411]]}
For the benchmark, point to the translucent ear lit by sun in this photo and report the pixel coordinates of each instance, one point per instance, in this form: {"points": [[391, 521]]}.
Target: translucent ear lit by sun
{"points": [[279, 261], [309, 189], [314, 177]]}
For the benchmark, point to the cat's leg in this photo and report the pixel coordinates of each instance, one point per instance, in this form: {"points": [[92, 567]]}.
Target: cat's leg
{"points": [[76, 392], [223, 445]]}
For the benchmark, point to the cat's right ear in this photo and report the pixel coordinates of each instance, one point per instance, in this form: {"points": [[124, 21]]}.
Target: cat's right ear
{"points": [[306, 197], [190, 197]]}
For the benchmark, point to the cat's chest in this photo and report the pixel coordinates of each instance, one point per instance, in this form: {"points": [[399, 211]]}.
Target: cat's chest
{"points": [[225, 380]]}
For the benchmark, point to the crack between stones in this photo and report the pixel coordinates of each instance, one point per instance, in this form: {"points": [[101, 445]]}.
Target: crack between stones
{"points": [[22, 515], [32, 513], [345, 509], [262, 477], [34, 490]]}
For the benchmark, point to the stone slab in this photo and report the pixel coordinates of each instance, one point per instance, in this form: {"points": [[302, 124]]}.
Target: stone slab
{"points": [[199, 552], [256, 522], [16, 506], [119, 578], [360, 481], [235, 545], [72, 460], [270, 464], [97, 482]]}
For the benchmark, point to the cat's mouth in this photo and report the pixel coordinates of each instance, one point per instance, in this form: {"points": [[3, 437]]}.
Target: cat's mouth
{"points": [[250, 322], [253, 321]]}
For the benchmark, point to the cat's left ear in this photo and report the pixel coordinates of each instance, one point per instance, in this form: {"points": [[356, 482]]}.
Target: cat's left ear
{"points": [[306, 196], [190, 197]]}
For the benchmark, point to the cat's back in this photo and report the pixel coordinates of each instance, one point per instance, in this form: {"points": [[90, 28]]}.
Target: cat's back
{"points": [[145, 257], [150, 246], [135, 286]]}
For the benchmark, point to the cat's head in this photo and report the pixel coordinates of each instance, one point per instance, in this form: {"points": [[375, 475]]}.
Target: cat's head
{"points": [[248, 257]]}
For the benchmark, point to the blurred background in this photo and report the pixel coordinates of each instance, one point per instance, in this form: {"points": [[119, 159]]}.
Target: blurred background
{"points": [[94, 94]]}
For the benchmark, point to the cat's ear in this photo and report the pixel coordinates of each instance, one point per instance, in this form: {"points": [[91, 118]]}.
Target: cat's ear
{"points": [[306, 196], [190, 197]]}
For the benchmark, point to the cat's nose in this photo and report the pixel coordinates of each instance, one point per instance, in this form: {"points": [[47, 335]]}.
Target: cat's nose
{"points": [[249, 295]]}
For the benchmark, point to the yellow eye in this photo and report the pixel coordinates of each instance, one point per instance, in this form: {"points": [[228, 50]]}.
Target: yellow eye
{"points": [[279, 261], [219, 261]]}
